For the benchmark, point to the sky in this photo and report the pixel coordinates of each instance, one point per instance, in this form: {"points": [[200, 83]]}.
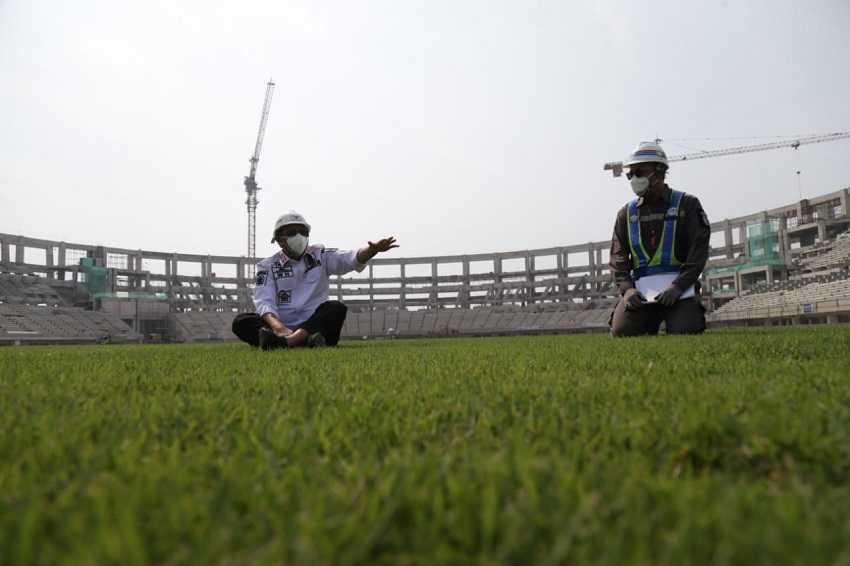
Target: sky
{"points": [[456, 126]]}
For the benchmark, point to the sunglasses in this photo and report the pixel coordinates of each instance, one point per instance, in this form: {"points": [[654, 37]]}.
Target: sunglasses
{"points": [[289, 232], [638, 174]]}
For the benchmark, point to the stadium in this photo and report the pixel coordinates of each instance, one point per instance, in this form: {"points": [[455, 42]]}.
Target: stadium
{"points": [[782, 266], [493, 399]]}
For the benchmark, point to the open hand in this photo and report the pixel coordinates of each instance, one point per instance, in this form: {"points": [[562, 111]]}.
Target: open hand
{"points": [[383, 245]]}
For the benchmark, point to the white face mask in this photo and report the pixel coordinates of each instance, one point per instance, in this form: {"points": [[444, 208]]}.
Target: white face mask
{"points": [[640, 184], [297, 244]]}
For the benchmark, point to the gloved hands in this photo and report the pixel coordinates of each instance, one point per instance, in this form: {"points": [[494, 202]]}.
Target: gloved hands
{"points": [[669, 296], [633, 299]]}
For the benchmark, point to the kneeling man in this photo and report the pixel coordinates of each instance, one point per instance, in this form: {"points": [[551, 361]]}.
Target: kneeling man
{"points": [[659, 248], [291, 294]]}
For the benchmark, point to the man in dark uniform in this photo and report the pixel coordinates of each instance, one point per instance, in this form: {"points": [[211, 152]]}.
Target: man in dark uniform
{"points": [[660, 246]]}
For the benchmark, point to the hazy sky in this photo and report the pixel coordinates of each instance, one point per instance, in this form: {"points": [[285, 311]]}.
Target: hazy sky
{"points": [[458, 126]]}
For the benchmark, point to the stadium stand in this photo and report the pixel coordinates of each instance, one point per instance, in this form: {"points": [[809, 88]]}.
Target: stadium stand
{"points": [[202, 326], [31, 311], [790, 251], [27, 289], [832, 256], [31, 324], [793, 301]]}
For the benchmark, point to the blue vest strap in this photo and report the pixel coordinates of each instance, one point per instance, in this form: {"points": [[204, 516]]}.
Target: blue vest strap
{"points": [[634, 234], [669, 233]]}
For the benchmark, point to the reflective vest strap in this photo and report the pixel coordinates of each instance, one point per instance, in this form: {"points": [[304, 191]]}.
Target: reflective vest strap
{"points": [[639, 272], [669, 234], [634, 236]]}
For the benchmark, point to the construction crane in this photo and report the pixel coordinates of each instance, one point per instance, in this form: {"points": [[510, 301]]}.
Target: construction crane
{"points": [[616, 167], [251, 187]]}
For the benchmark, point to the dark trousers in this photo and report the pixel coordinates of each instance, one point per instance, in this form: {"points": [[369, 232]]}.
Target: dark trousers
{"points": [[328, 319], [684, 317]]}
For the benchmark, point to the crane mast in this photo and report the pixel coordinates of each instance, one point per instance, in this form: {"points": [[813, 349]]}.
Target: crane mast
{"points": [[616, 167], [251, 187]]}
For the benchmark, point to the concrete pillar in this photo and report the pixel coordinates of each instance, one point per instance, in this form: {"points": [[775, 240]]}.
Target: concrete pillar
{"points": [[844, 199], [742, 235], [403, 294], [529, 278], [371, 287], [466, 284], [821, 230], [19, 251], [497, 279], [784, 248], [48, 261], [727, 235], [435, 296], [598, 273], [4, 252]]}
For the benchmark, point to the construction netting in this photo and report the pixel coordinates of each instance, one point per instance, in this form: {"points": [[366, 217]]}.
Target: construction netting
{"points": [[763, 247], [97, 284], [96, 277]]}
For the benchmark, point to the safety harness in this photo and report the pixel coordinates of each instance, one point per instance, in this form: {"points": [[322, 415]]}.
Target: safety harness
{"points": [[664, 260]]}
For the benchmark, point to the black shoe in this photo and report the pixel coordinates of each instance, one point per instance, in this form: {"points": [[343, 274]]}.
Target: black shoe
{"points": [[316, 340], [271, 341]]}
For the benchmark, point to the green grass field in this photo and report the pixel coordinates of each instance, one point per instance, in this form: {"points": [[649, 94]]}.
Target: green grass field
{"points": [[731, 448]]}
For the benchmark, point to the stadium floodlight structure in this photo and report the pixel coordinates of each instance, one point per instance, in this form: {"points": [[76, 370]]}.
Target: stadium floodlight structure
{"points": [[251, 187], [616, 167]]}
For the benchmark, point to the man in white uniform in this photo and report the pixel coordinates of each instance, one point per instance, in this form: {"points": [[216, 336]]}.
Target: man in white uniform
{"points": [[291, 294]]}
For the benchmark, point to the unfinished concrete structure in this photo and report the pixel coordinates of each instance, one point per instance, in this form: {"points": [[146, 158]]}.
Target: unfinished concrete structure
{"points": [[162, 293]]}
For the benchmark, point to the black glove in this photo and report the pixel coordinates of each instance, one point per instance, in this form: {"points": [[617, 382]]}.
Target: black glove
{"points": [[633, 299], [669, 296]]}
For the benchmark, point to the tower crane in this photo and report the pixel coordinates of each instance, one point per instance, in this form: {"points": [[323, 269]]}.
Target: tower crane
{"points": [[616, 167], [251, 187]]}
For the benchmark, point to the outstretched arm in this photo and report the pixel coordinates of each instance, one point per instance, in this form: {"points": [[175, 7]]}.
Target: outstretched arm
{"points": [[374, 248]]}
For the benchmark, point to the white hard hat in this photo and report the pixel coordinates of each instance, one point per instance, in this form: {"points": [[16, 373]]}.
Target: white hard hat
{"points": [[290, 217], [647, 152]]}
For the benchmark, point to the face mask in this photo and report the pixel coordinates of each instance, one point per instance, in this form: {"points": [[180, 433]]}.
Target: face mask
{"points": [[640, 184], [297, 244]]}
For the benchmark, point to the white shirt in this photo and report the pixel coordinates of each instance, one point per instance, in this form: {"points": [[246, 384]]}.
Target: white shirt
{"points": [[293, 289]]}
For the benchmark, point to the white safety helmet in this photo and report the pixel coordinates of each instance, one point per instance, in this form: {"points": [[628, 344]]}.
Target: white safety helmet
{"points": [[290, 217], [647, 152]]}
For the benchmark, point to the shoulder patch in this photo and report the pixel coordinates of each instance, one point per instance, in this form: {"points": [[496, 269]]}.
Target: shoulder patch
{"points": [[261, 278]]}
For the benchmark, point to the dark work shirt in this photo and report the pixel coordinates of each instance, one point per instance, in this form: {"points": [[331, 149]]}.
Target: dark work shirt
{"points": [[693, 235]]}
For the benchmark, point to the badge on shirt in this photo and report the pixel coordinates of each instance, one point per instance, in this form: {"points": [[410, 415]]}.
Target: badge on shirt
{"points": [[261, 278], [284, 297], [281, 271]]}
